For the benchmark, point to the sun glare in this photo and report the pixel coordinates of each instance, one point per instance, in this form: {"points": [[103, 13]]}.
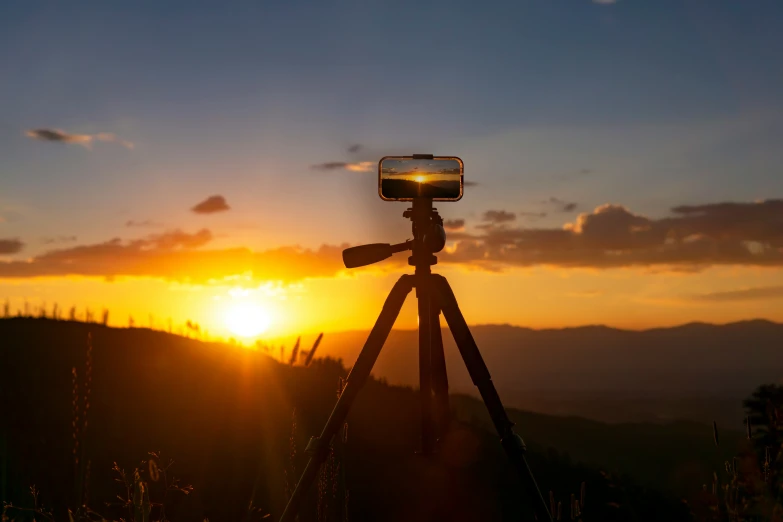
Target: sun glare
{"points": [[420, 179], [247, 320]]}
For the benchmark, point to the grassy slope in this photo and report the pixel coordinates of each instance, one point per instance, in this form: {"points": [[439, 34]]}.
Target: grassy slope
{"points": [[225, 415]]}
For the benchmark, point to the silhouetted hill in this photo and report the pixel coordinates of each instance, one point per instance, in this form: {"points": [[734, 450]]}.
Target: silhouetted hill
{"points": [[225, 415], [696, 371]]}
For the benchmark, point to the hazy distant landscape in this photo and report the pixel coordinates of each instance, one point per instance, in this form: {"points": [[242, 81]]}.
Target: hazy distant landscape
{"points": [[697, 371]]}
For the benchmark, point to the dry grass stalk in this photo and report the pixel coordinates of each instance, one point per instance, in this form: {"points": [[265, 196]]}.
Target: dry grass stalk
{"points": [[311, 353], [295, 351]]}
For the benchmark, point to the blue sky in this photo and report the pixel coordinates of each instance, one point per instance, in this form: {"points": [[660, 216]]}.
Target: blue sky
{"points": [[681, 98], [556, 106]]}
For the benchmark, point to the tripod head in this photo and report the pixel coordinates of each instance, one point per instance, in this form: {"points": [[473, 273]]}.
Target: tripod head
{"points": [[429, 237]]}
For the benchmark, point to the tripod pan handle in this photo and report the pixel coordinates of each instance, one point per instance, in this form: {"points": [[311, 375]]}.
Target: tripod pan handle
{"points": [[366, 254]]}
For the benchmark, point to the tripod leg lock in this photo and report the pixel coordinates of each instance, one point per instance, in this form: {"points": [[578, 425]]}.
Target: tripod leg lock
{"points": [[513, 443], [317, 449]]}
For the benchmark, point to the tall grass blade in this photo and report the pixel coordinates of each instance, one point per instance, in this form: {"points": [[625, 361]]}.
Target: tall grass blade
{"points": [[311, 353]]}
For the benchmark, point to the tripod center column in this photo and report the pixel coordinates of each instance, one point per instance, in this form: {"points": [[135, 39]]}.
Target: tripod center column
{"points": [[422, 258]]}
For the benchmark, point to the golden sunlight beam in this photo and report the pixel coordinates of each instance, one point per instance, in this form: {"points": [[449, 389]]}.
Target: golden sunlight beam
{"points": [[420, 179]]}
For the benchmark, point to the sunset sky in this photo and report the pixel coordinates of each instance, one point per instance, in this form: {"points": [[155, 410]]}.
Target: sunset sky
{"points": [[415, 169], [188, 160]]}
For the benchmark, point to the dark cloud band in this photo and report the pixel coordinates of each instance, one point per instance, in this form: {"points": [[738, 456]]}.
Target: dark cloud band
{"points": [[749, 234], [176, 255], [692, 238]]}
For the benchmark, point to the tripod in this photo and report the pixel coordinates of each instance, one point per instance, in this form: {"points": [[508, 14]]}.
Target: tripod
{"points": [[434, 296]]}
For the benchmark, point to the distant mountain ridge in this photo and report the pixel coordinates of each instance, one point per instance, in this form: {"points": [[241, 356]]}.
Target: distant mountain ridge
{"points": [[720, 364]]}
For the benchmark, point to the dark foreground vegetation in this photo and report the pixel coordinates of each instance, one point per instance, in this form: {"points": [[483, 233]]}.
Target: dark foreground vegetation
{"points": [[77, 398]]}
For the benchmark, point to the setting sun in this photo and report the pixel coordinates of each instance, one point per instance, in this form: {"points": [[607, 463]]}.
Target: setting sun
{"points": [[420, 179], [247, 319]]}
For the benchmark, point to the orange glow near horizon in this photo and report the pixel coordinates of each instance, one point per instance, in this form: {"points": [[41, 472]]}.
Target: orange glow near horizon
{"points": [[421, 176], [535, 298]]}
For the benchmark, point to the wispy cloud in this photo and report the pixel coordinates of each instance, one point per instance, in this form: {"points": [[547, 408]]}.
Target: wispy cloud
{"points": [[147, 223], [58, 239], [498, 216], [361, 166], [746, 294], [85, 140], [211, 205], [10, 246], [560, 205]]}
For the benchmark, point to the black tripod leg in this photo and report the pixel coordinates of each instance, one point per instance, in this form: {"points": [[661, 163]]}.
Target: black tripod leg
{"points": [[440, 380], [318, 447], [425, 365], [479, 374]]}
